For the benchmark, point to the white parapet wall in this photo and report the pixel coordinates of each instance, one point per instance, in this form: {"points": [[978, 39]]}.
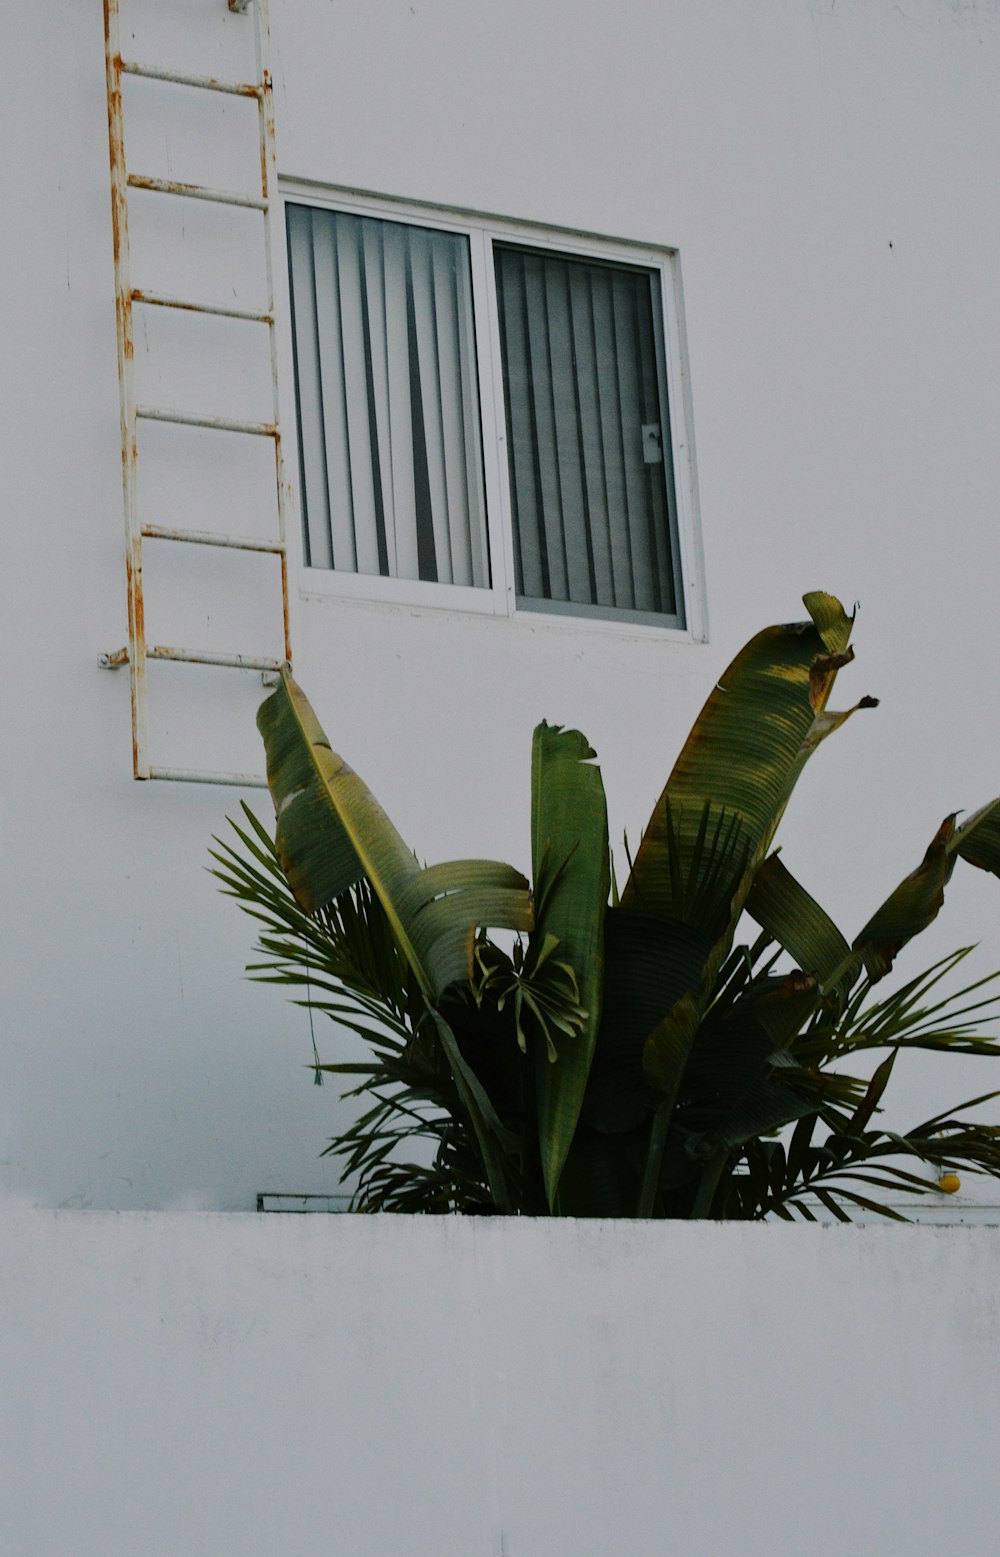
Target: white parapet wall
{"points": [[235, 1385]]}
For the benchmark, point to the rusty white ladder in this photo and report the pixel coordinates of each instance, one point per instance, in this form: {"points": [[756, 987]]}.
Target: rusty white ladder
{"points": [[138, 651]]}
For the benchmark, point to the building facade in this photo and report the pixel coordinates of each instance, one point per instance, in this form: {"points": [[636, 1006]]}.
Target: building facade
{"points": [[778, 224]]}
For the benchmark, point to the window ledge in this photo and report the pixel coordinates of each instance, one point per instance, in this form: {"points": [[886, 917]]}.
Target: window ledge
{"points": [[395, 597]]}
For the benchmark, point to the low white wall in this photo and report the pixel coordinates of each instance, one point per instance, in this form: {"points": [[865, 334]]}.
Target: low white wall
{"points": [[210, 1384]]}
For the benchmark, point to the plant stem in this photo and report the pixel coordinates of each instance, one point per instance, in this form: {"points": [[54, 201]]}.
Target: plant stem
{"points": [[708, 1186], [654, 1159]]}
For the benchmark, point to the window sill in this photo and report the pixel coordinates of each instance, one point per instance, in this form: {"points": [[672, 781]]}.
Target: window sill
{"points": [[398, 596]]}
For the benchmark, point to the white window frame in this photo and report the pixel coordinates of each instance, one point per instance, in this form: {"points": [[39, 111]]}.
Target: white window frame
{"points": [[499, 599]]}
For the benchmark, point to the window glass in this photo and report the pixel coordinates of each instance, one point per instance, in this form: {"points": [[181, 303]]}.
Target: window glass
{"points": [[587, 436], [389, 417]]}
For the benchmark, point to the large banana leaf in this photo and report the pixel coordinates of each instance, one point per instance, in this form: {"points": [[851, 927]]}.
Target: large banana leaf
{"points": [[491, 1135], [331, 830], [722, 803], [978, 838], [917, 900], [725, 796], [652, 963], [601, 1175], [726, 1067], [572, 877], [911, 907], [737, 1083], [797, 922]]}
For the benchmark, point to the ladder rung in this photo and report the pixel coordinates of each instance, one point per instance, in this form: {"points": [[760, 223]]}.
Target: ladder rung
{"points": [[162, 532], [207, 83], [152, 413], [197, 776], [159, 651], [166, 186], [159, 300]]}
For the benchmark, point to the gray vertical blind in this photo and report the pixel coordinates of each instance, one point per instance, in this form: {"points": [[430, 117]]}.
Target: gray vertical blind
{"points": [[587, 434], [389, 422]]}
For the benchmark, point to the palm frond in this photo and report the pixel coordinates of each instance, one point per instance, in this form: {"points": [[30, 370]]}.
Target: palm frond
{"points": [[342, 961]]}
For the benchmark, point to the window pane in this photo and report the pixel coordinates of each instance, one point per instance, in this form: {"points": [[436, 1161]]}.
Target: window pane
{"points": [[587, 434], [389, 427]]}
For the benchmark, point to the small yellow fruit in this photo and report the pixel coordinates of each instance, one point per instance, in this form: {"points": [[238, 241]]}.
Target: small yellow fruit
{"points": [[949, 1182]]}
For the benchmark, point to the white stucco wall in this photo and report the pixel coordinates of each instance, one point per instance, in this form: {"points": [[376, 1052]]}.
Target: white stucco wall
{"points": [[246, 1386], [826, 171]]}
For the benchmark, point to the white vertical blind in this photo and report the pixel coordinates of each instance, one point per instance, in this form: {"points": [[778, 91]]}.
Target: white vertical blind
{"points": [[588, 438], [389, 419]]}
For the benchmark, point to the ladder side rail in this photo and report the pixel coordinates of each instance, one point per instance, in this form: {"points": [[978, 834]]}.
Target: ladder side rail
{"points": [[126, 388], [269, 189]]}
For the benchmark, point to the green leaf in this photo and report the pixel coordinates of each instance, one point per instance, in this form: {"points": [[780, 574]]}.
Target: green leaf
{"points": [[913, 905], [599, 1178], [798, 1161], [493, 1139], [830, 619], [314, 848], [668, 1047], [796, 921], [783, 1012], [827, 1199], [733, 1087], [571, 872], [725, 797], [717, 815], [869, 1103], [331, 831], [978, 838], [917, 900], [650, 963]]}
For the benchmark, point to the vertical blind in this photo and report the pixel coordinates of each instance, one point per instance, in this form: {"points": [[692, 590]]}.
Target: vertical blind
{"points": [[587, 435], [389, 420]]}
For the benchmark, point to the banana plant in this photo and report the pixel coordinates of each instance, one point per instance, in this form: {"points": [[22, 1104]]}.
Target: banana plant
{"points": [[624, 1056]]}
